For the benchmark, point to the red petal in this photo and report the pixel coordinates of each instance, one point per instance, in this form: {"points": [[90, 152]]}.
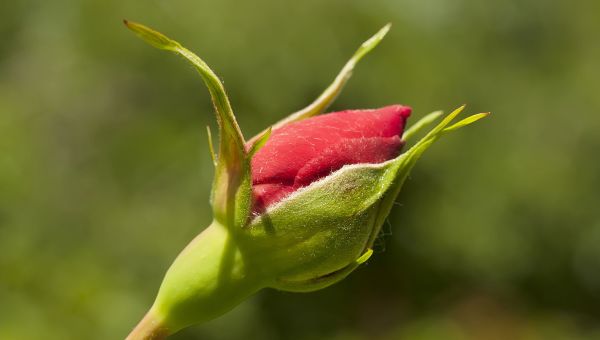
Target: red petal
{"points": [[348, 151]]}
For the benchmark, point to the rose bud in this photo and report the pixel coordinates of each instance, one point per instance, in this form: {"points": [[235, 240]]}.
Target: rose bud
{"points": [[303, 152], [297, 207]]}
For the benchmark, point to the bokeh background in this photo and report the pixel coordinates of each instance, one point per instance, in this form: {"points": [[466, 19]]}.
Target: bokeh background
{"points": [[105, 171]]}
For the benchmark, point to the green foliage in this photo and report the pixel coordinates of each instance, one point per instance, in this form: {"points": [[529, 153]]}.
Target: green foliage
{"points": [[104, 170]]}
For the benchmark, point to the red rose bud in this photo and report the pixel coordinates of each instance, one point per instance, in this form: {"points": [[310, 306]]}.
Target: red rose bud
{"points": [[296, 208], [300, 153]]}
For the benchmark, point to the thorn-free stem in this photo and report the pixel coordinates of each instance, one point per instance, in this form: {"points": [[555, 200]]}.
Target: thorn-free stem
{"points": [[149, 328]]}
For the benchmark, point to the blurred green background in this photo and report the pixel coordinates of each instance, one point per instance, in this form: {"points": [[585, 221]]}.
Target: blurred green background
{"points": [[105, 171]]}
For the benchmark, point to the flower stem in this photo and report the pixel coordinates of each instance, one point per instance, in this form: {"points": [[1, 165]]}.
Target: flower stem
{"points": [[149, 328]]}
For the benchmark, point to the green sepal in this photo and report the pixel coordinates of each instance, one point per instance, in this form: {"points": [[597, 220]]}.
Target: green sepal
{"points": [[469, 120], [421, 124], [231, 195], [259, 142], [151, 36], [329, 95], [408, 159], [321, 228], [324, 281], [211, 148]]}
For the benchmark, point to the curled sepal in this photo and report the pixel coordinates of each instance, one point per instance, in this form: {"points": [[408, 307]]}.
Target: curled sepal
{"points": [[231, 194], [333, 90]]}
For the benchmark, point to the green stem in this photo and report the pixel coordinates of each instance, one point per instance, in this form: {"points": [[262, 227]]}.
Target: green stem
{"points": [[149, 328], [208, 278]]}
